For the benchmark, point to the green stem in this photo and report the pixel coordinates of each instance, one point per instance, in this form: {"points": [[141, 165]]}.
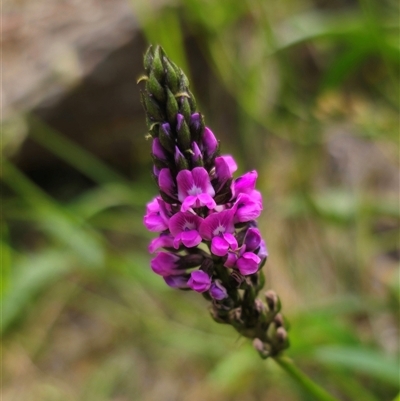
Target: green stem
{"points": [[304, 381]]}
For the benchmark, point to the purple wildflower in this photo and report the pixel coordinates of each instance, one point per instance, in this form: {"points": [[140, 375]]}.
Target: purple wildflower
{"points": [[184, 226], [218, 291], [165, 264], [219, 229], [195, 189], [199, 281], [208, 237]]}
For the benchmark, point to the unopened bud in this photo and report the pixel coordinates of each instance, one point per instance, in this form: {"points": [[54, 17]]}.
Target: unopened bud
{"points": [[260, 348], [172, 107], [171, 75], [180, 160], [183, 132], [165, 137], [157, 66], [152, 109], [272, 301], [154, 87], [281, 335]]}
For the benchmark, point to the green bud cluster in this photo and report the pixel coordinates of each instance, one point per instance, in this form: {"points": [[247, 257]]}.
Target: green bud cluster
{"points": [[167, 94]]}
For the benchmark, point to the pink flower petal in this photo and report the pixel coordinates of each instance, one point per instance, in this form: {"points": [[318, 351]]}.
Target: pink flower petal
{"points": [[219, 246], [248, 263], [166, 182], [199, 281], [163, 241]]}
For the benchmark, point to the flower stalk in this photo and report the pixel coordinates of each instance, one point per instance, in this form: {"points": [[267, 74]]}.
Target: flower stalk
{"points": [[310, 387]]}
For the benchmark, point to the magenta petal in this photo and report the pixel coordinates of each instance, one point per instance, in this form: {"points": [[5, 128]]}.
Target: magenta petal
{"points": [[248, 263], [177, 281], [164, 263], [246, 208], [206, 200], [216, 224], [196, 152], [246, 183], [199, 281], [195, 120], [188, 203], [210, 143], [201, 180], [252, 239], [166, 183], [185, 183], [231, 240], [218, 291], [163, 241], [154, 222], [225, 166], [263, 251], [219, 246], [184, 221], [157, 149], [190, 238], [153, 206], [230, 259]]}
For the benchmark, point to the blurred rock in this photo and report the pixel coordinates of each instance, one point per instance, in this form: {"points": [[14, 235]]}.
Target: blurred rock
{"points": [[48, 47]]}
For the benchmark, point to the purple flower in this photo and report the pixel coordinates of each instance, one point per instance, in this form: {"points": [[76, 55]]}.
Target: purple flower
{"points": [[247, 208], [195, 189], [166, 182], [185, 227], [156, 218], [252, 240], [210, 143], [165, 264], [218, 291], [157, 149], [180, 281], [218, 228], [245, 183], [225, 166], [199, 281], [178, 156], [248, 263], [195, 120], [263, 251], [165, 240], [196, 153]]}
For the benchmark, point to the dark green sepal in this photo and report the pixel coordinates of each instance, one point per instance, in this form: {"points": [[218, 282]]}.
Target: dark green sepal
{"points": [[157, 67], [184, 108], [172, 107], [172, 75], [148, 59], [153, 111], [192, 101], [154, 87], [166, 140], [183, 136]]}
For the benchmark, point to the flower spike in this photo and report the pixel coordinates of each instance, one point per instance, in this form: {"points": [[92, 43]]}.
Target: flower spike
{"points": [[202, 206]]}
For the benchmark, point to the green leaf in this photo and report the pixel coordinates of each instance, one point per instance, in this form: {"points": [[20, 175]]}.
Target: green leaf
{"points": [[30, 275], [362, 360]]}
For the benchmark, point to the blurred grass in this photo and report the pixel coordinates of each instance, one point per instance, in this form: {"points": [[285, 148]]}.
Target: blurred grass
{"points": [[316, 112]]}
